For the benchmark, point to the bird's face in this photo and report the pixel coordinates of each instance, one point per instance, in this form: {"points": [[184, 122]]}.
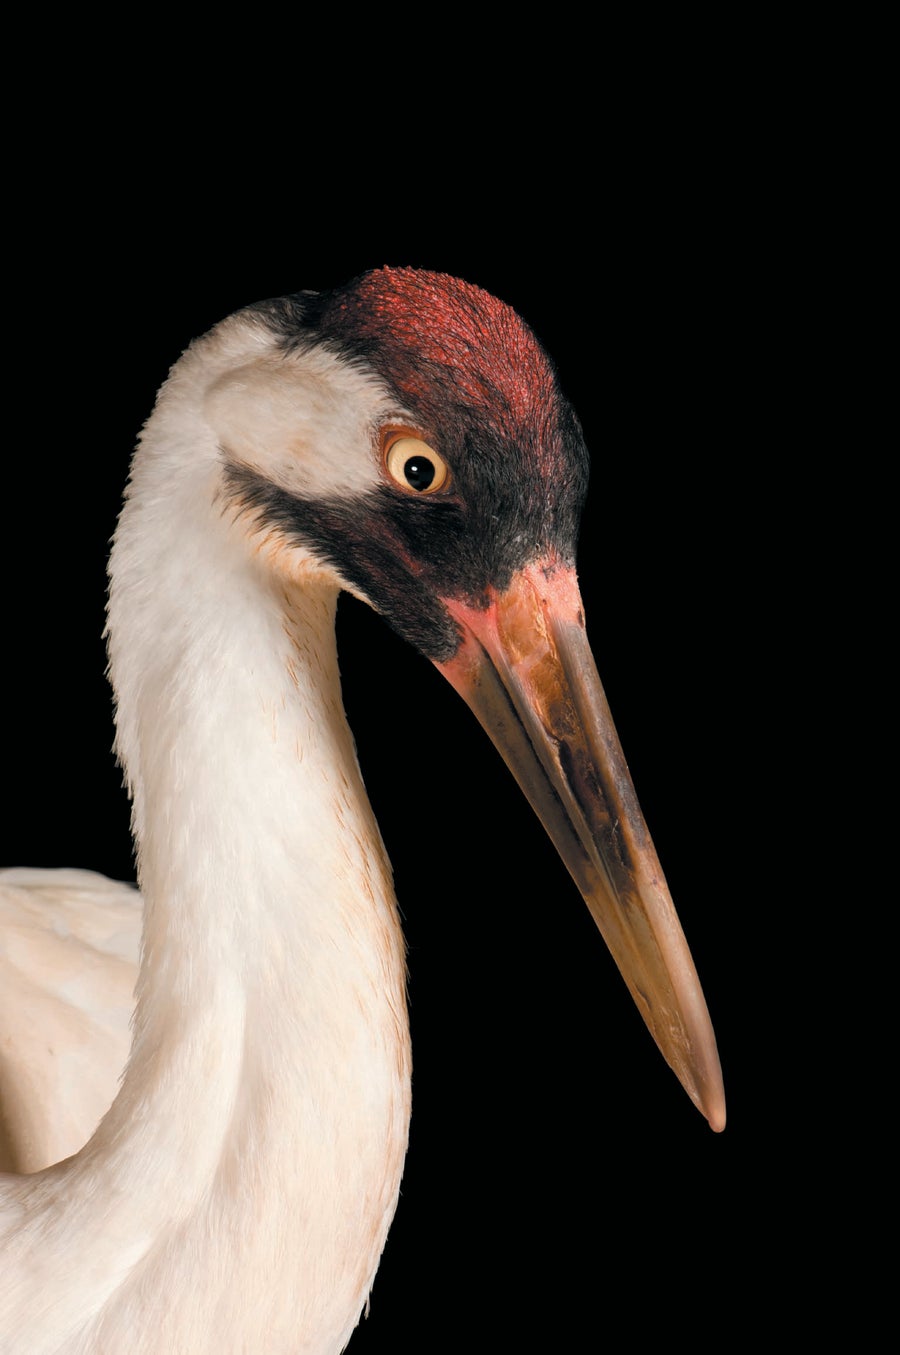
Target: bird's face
{"points": [[408, 434], [411, 435]]}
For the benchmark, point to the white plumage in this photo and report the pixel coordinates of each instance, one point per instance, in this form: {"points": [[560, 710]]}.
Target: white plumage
{"points": [[68, 964], [237, 1194]]}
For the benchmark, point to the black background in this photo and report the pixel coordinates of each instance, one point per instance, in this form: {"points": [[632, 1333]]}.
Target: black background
{"points": [[559, 1183]]}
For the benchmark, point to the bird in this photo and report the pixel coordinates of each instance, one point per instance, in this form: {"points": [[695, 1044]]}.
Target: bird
{"points": [[232, 1036]]}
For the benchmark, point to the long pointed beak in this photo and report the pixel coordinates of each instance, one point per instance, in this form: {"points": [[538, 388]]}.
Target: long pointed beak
{"points": [[526, 669]]}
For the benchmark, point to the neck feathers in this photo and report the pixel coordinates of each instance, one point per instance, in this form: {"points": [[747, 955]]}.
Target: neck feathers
{"points": [[262, 1121]]}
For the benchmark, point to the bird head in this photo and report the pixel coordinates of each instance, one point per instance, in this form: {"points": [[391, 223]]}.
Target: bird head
{"points": [[407, 434]]}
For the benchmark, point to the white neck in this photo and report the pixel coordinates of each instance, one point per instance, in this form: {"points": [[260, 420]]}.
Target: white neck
{"points": [[263, 1116]]}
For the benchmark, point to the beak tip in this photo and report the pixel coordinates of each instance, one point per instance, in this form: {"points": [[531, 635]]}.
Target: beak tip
{"points": [[716, 1118], [711, 1103]]}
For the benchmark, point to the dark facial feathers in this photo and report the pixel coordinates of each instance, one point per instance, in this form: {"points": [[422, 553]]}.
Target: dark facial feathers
{"points": [[485, 396]]}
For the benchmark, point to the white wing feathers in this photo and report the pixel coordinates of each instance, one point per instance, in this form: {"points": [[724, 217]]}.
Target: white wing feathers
{"points": [[69, 949]]}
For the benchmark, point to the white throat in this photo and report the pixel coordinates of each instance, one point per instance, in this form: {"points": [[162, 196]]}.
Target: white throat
{"points": [[264, 1112]]}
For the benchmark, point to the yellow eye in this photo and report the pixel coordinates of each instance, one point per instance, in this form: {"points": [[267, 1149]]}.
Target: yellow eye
{"points": [[412, 464]]}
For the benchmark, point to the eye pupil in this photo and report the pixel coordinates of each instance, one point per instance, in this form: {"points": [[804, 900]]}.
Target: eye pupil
{"points": [[419, 472]]}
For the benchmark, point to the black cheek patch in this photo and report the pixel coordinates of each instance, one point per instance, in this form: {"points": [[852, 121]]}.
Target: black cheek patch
{"points": [[371, 542]]}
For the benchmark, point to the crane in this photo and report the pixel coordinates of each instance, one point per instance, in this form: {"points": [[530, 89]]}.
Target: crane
{"points": [[404, 438]]}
